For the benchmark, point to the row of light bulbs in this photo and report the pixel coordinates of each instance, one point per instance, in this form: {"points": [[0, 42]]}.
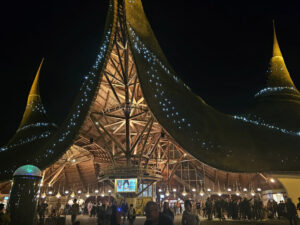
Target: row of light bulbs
{"points": [[229, 190], [72, 195]]}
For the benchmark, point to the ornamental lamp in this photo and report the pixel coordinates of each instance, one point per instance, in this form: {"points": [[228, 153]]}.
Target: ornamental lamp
{"points": [[184, 193], [167, 192]]}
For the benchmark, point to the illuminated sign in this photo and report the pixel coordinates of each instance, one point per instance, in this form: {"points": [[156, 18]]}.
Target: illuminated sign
{"points": [[126, 185]]}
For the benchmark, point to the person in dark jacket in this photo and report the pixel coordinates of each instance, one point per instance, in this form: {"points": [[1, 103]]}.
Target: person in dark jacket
{"points": [[154, 217], [4, 218], [167, 211], [131, 215], [291, 212]]}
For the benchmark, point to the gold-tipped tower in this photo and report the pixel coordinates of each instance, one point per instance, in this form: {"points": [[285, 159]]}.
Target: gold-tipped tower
{"points": [[278, 74], [35, 111]]}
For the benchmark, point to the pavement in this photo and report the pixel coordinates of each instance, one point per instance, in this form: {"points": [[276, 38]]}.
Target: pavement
{"points": [[86, 220]]}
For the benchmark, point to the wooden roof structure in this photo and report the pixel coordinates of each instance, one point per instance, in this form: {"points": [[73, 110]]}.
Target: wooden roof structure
{"points": [[135, 117]]}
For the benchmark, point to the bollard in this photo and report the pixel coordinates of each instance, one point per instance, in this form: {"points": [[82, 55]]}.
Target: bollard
{"points": [[24, 193]]}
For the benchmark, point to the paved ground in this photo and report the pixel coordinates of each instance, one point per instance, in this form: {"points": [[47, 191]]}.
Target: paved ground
{"points": [[85, 220]]}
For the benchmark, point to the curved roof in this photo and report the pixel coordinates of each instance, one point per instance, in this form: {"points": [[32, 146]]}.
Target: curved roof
{"points": [[232, 143]]}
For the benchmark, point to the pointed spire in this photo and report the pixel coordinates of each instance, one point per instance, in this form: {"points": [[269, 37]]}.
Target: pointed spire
{"points": [[278, 74], [35, 88], [34, 111], [276, 49]]}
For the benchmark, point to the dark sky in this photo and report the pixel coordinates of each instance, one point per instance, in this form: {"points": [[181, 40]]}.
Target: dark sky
{"points": [[221, 49]]}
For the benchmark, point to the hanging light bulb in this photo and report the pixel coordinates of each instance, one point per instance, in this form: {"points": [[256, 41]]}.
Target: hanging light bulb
{"points": [[258, 189], [208, 189], [79, 191], [219, 193], [159, 190], [109, 191], [50, 193], [201, 193], [252, 193], [96, 191], [167, 192], [272, 180], [184, 193], [174, 189], [194, 190], [245, 189], [73, 195], [66, 192], [58, 195], [229, 190], [43, 195], [102, 193]]}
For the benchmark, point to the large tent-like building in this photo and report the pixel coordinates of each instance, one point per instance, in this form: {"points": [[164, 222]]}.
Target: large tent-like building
{"points": [[134, 117]]}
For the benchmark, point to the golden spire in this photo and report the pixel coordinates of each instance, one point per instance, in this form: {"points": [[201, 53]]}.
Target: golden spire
{"points": [[34, 103], [278, 75], [276, 49]]}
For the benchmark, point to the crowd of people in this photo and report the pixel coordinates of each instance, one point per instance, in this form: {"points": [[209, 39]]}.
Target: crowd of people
{"points": [[112, 213]]}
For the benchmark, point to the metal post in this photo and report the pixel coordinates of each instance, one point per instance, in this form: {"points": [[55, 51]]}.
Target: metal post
{"points": [[23, 200]]}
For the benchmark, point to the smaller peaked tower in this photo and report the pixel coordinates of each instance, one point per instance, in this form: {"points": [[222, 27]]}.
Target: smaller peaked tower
{"points": [[35, 127], [279, 80]]}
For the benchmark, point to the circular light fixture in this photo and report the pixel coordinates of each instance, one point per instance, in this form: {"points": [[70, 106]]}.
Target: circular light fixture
{"points": [[237, 194], [109, 191], [252, 193], [220, 194]]}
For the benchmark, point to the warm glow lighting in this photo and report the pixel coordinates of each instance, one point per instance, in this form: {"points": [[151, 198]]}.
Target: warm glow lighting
{"points": [[66, 192], [238, 194], [109, 191], [208, 189], [44, 195], [272, 180], [87, 195], [174, 190], [79, 192], [201, 193], [244, 189], [167, 192], [58, 195], [194, 189], [229, 189], [96, 191], [50, 192], [258, 189], [159, 190], [73, 195], [252, 193], [219, 194]]}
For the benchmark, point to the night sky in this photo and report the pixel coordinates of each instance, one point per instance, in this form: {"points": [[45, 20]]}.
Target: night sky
{"points": [[221, 49]]}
